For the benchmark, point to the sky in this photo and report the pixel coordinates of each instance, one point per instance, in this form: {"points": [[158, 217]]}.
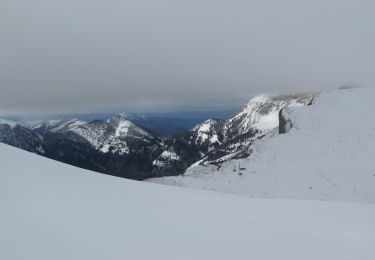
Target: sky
{"points": [[153, 55]]}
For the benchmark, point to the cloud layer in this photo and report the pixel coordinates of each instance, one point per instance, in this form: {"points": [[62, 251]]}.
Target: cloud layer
{"points": [[76, 55]]}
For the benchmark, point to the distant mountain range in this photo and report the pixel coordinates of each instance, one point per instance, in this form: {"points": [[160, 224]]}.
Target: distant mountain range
{"points": [[160, 122], [124, 146]]}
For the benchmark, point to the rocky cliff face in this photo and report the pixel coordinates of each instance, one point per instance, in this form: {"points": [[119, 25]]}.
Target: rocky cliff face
{"points": [[120, 147], [285, 123]]}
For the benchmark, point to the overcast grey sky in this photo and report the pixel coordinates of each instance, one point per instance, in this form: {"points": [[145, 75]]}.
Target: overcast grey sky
{"points": [[81, 55]]}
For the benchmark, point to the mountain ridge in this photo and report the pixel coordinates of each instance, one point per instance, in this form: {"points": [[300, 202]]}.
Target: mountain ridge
{"points": [[118, 146]]}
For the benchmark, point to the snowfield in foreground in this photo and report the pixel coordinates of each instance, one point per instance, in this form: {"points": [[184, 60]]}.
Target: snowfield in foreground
{"points": [[327, 155], [49, 210]]}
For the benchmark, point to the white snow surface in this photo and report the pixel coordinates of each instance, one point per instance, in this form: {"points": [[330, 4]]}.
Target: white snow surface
{"points": [[204, 127], [169, 155], [164, 157], [55, 211], [125, 126], [205, 131], [327, 155]]}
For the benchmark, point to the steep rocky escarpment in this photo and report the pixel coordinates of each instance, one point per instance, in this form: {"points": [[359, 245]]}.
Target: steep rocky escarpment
{"points": [[285, 122]]}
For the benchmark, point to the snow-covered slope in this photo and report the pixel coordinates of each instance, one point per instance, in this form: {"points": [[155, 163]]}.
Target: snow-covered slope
{"points": [[49, 210], [210, 131], [327, 155]]}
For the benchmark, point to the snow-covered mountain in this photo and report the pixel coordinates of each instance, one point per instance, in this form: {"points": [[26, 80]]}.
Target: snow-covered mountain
{"points": [[209, 132], [120, 147], [19, 135], [115, 146], [51, 210], [231, 138], [261, 113], [327, 154], [110, 136]]}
